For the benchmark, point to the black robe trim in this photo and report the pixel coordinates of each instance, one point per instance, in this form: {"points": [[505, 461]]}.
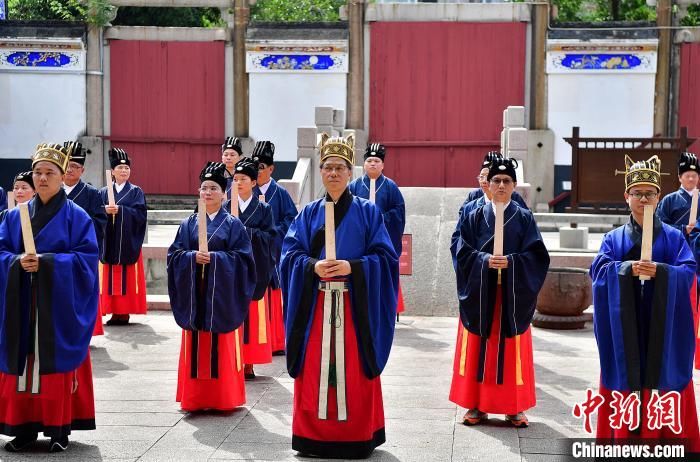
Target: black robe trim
{"points": [[16, 326], [297, 335], [629, 297], [194, 352], [43, 213], [51, 431], [361, 319], [47, 337], [338, 449]]}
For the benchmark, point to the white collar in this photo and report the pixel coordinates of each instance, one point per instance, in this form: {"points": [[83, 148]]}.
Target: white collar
{"points": [[119, 187], [242, 205], [69, 189], [493, 206], [213, 215], [265, 187], [486, 199]]}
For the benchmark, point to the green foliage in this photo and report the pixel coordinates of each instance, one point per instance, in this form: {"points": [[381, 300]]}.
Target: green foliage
{"points": [[168, 17], [96, 12], [693, 16], [623, 10], [296, 10]]}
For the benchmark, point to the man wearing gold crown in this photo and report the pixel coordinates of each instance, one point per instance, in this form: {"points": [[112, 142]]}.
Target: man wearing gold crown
{"points": [[340, 315], [47, 313], [644, 328]]}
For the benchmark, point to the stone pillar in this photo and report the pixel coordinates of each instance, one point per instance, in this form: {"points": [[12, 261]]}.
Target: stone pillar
{"points": [[538, 89], [356, 85], [664, 16], [95, 109], [241, 13]]}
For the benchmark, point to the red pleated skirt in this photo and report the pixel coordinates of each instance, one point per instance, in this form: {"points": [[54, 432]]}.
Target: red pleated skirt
{"points": [[55, 411], [98, 329], [696, 319], [226, 389], [688, 418], [274, 297], [400, 308], [123, 288], [364, 428], [516, 393], [257, 339]]}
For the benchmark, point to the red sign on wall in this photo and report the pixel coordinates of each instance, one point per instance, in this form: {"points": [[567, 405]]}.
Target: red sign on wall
{"points": [[406, 258]]}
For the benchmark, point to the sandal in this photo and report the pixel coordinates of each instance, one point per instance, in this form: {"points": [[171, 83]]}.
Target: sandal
{"points": [[474, 417], [518, 420]]}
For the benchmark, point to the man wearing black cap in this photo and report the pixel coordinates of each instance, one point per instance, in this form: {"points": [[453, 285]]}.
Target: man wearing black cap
{"points": [[388, 198], [674, 208], [123, 290], [283, 213], [231, 152], [493, 367]]}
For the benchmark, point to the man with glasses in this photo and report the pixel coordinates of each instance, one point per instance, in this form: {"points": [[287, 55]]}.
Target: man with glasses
{"points": [[340, 315], [493, 367], [283, 212], [644, 328]]}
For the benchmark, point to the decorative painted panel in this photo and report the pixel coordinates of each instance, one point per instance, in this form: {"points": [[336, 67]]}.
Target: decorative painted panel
{"points": [[42, 55], [300, 58], [567, 56]]}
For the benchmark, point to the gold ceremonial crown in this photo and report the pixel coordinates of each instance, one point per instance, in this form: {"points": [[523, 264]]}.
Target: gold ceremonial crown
{"points": [[54, 153], [643, 172], [337, 146]]}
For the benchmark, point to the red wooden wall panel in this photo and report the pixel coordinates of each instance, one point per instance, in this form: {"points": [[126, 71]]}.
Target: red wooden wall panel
{"points": [[689, 97], [437, 94], [167, 110]]}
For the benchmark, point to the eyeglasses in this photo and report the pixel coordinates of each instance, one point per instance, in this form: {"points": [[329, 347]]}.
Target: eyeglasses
{"points": [[504, 181], [334, 168], [650, 196]]}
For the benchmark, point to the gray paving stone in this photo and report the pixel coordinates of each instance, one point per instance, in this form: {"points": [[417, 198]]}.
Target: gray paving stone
{"points": [[558, 446], [121, 433], [146, 419], [254, 451]]}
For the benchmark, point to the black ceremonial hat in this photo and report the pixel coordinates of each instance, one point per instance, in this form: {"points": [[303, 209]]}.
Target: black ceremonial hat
{"points": [[118, 156], [234, 143], [503, 166], [490, 157], [264, 152], [688, 162], [247, 167], [24, 176], [214, 171], [76, 151], [375, 150]]}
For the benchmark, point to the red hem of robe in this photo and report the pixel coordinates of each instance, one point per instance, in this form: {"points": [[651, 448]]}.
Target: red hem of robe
{"points": [[224, 393], [55, 411], [400, 307], [365, 409], [257, 350], [488, 396], [134, 300], [276, 319]]}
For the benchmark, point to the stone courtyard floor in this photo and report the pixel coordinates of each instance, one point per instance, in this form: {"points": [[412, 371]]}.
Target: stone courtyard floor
{"points": [[135, 371]]}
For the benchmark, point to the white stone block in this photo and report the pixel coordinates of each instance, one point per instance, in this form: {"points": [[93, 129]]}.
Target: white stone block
{"points": [[516, 139], [327, 129], [306, 137], [504, 141], [514, 116], [306, 152], [339, 119], [517, 154], [573, 238], [324, 115]]}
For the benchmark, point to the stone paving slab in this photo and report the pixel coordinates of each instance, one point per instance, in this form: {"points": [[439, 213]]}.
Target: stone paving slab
{"points": [[135, 374]]}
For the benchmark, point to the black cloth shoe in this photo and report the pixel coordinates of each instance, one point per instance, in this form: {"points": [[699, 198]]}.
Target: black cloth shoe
{"points": [[118, 321], [20, 443], [58, 444]]}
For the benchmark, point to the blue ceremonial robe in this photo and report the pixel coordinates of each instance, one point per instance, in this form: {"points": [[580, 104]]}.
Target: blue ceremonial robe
{"points": [[257, 220], [645, 335], [674, 210], [283, 213], [361, 239], [230, 277], [124, 236], [66, 287], [3, 200], [528, 262], [390, 201], [88, 198]]}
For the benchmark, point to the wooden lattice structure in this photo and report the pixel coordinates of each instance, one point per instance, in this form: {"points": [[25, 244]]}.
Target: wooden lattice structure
{"points": [[594, 185]]}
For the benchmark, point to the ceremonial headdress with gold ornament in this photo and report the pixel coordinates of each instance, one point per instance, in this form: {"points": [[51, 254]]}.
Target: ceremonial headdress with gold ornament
{"points": [[54, 153], [338, 146], [643, 172]]}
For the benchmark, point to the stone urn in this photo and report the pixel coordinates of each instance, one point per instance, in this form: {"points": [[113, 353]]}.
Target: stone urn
{"points": [[565, 295]]}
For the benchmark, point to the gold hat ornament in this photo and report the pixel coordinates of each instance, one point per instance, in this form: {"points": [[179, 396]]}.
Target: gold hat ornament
{"points": [[644, 172], [54, 153], [337, 146]]}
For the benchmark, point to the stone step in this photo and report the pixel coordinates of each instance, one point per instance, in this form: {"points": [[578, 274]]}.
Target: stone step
{"points": [[158, 302]]}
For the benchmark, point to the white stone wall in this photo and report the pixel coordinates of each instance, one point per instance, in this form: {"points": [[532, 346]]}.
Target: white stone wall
{"points": [[286, 83], [42, 93], [606, 88]]}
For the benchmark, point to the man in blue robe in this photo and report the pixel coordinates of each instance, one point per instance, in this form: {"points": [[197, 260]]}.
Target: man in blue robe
{"points": [[283, 212], [674, 208], [83, 194], [340, 315], [47, 313], [644, 328], [3, 200], [493, 369]]}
